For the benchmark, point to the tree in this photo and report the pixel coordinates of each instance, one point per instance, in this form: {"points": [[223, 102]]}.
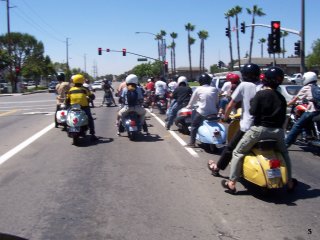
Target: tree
{"points": [[236, 11], [262, 41], [255, 11], [174, 35], [148, 69], [227, 15], [190, 28], [4, 60], [171, 47], [313, 60], [203, 35], [283, 35]]}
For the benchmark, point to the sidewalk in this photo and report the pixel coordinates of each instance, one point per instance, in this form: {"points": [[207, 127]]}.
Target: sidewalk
{"points": [[18, 94]]}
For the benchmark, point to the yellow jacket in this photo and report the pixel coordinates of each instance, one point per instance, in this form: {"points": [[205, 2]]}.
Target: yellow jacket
{"points": [[79, 95]]}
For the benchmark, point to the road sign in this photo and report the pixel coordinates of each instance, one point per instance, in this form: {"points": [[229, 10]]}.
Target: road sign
{"points": [[142, 59]]}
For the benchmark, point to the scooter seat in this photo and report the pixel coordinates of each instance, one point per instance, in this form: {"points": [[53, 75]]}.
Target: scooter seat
{"points": [[212, 117], [265, 144]]}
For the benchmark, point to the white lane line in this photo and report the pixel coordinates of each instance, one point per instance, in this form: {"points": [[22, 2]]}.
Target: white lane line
{"points": [[24, 144], [176, 136]]}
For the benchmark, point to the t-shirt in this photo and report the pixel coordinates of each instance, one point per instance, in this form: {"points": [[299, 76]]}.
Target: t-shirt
{"points": [[160, 87], [244, 93], [305, 93], [268, 107], [150, 86], [226, 89], [124, 95], [182, 94]]}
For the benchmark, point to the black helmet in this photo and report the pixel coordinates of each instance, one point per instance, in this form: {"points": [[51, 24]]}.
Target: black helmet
{"points": [[60, 77], [250, 72], [273, 77], [204, 79], [175, 78]]}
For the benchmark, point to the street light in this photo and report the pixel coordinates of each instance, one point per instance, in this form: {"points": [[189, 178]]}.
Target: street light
{"points": [[156, 38]]}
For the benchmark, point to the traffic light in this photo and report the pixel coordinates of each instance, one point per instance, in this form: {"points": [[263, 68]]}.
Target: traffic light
{"points": [[275, 32], [124, 52], [166, 66], [270, 47], [17, 70], [219, 64], [243, 27], [108, 50], [228, 32], [297, 48], [99, 51]]}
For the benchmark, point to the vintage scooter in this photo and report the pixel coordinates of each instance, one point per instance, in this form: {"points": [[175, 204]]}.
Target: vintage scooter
{"points": [[77, 123], [61, 116], [131, 124], [263, 165]]}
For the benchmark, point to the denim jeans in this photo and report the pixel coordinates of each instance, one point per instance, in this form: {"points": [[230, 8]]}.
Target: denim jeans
{"points": [[249, 139], [303, 121], [90, 119], [173, 113], [197, 120]]}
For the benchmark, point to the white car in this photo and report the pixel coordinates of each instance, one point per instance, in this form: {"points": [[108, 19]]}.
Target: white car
{"points": [[97, 85], [296, 79]]}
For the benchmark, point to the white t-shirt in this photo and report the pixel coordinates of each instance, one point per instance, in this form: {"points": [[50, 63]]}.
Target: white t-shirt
{"points": [[244, 93], [172, 86], [160, 87], [226, 89], [207, 98]]}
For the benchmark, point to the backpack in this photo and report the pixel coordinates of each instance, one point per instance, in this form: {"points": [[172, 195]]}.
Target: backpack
{"points": [[315, 90], [132, 97]]}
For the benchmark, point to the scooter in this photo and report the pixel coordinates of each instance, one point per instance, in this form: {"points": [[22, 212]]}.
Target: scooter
{"points": [[162, 104], [108, 99], [263, 166], [131, 124], [61, 116], [183, 120], [77, 123]]}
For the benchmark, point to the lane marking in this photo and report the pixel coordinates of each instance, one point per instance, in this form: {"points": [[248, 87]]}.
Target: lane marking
{"points": [[9, 112], [176, 136], [24, 144]]}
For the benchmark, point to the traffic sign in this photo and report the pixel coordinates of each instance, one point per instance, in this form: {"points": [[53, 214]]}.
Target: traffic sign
{"points": [[142, 59]]}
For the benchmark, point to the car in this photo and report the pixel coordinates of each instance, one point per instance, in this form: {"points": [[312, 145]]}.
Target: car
{"points": [[97, 85], [289, 91], [296, 78], [52, 86], [31, 83], [3, 88], [218, 82]]}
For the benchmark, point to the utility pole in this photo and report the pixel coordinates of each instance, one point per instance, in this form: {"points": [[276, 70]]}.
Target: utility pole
{"points": [[302, 34], [67, 50], [85, 62]]}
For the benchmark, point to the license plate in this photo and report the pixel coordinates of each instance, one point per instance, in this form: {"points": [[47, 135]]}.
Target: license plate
{"points": [[74, 129], [133, 129], [274, 173]]}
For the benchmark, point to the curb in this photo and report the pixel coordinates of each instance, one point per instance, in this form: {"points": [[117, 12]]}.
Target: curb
{"points": [[18, 94]]}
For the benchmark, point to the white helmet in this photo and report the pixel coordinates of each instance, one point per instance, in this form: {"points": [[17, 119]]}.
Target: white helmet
{"points": [[182, 79], [131, 78], [149, 80], [309, 77]]}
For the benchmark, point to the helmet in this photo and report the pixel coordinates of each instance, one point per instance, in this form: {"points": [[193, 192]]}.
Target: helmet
{"points": [[61, 77], [309, 77], [250, 72], [182, 79], [233, 78], [78, 78], [131, 79], [273, 77], [204, 79], [149, 80]]}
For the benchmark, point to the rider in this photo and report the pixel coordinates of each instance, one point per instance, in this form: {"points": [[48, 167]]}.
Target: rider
{"points": [[243, 93], [207, 99], [309, 78], [160, 90], [132, 105], [108, 89], [88, 86], [268, 107], [61, 89], [181, 96], [80, 95]]}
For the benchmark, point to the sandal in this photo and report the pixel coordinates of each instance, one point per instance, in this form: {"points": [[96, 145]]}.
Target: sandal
{"points": [[294, 185], [213, 168], [225, 184]]}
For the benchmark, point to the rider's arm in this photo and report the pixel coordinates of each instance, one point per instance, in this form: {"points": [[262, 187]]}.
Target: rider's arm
{"points": [[229, 108]]}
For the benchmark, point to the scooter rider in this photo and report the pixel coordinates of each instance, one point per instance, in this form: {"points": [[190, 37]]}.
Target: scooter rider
{"points": [[160, 90], [207, 99], [309, 78], [61, 89], [245, 91], [108, 89], [181, 96], [132, 105], [79, 95], [268, 107]]}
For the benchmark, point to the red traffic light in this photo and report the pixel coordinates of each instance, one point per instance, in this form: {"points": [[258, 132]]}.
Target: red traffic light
{"points": [[99, 50], [108, 50], [124, 52], [17, 70], [276, 25]]}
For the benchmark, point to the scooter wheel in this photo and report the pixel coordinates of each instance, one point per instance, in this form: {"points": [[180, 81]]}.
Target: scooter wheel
{"points": [[75, 141]]}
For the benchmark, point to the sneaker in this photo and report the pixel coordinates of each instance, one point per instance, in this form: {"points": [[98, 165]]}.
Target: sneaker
{"points": [[167, 127]]}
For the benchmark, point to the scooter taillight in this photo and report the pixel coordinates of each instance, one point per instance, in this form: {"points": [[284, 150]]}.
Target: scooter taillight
{"points": [[274, 163], [184, 114], [62, 114], [75, 120], [133, 123]]}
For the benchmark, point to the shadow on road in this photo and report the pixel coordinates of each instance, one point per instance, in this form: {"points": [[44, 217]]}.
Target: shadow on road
{"points": [[4, 236]]}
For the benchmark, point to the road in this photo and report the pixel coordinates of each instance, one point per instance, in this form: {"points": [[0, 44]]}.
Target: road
{"points": [[150, 189]]}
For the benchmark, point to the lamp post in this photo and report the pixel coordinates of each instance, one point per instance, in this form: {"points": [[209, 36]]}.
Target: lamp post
{"points": [[156, 38]]}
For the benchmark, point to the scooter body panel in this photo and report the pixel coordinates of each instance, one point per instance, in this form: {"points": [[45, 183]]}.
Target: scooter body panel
{"points": [[131, 124], [61, 116], [211, 132], [77, 122]]}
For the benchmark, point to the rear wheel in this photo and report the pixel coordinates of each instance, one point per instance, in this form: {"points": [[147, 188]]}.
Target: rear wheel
{"points": [[75, 140], [132, 135]]}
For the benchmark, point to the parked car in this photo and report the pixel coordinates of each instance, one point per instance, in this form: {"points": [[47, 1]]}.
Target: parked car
{"points": [[296, 79], [52, 86], [31, 83], [289, 91]]}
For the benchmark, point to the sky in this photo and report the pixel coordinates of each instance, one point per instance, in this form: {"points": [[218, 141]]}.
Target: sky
{"points": [[90, 24]]}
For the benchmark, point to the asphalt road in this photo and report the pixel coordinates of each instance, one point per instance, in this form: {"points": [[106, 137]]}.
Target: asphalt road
{"points": [[153, 188]]}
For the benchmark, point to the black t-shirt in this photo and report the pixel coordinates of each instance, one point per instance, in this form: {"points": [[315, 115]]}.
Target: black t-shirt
{"points": [[182, 94], [268, 108]]}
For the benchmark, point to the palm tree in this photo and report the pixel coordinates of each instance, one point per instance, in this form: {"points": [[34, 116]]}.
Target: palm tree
{"points": [[283, 35], [159, 38], [163, 47], [189, 28], [171, 47], [255, 11], [227, 16], [236, 10], [203, 35], [174, 35], [262, 41]]}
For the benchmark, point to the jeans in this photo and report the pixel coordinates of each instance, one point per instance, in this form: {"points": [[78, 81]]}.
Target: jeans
{"points": [[173, 112], [197, 120], [249, 139], [303, 121], [90, 119]]}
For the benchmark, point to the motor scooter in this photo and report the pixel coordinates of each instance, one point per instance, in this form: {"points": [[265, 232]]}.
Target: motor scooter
{"points": [[131, 124], [162, 104], [77, 123], [61, 116], [183, 120], [108, 98], [263, 166]]}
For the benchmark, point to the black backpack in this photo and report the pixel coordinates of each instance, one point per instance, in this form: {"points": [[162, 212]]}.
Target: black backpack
{"points": [[315, 90], [132, 97]]}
